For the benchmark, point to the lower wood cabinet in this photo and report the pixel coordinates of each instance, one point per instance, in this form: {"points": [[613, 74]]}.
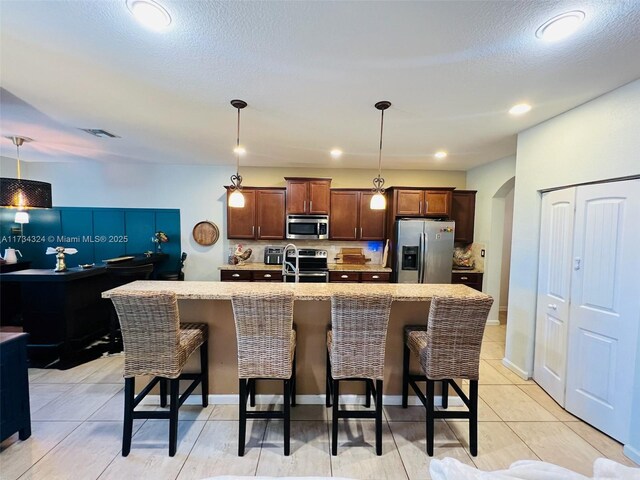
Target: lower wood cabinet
{"points": [[251, 276], [359, 277], [471, 279]]}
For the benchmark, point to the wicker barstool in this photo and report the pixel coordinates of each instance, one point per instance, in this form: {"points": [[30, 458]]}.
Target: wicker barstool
{"points": [[448, 348], [157, 344], [266, 351], [355, 351]]}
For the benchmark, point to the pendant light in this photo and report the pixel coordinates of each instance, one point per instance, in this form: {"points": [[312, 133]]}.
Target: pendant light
{"points": [[378, 201], [23, 194], [236, 199]]}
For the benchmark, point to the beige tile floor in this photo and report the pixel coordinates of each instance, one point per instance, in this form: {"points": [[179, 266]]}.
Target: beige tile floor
{"points": [[77, 428]]}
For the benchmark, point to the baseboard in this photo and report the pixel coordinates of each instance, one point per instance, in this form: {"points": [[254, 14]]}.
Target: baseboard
{"points": [[632, 453], [515, 369], [493, 322], [318, 399]]}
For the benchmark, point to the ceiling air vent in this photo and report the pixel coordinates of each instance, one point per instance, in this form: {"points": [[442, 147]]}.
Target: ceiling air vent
{"points": [[98, 132]]}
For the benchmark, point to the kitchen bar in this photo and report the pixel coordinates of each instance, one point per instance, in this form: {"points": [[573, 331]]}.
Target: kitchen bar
{"points": [[209, 302]]}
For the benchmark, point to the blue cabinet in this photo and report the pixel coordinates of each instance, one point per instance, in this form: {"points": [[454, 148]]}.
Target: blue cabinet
{"points": [[108, 225], [76, 225], [139, 226]]}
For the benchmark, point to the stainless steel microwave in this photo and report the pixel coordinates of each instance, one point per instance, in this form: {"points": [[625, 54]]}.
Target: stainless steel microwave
{"points": [[308, 227]]}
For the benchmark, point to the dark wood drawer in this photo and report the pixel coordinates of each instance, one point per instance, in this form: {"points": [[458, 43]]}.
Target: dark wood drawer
{"points": [[235, 276], [267, 276], [471, 279], [344, 277], [375, 277]]}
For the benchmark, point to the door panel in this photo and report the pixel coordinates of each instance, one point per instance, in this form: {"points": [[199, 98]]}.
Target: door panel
{"points": [[409, 203], [554, 281], [270, 214], [318, 197], [605, 306], [241, 222], [297, 196], [372, 222], [343, 222]]}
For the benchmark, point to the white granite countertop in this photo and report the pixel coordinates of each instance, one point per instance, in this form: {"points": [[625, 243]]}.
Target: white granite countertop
{"points": [[198, 290], [333, 267]]}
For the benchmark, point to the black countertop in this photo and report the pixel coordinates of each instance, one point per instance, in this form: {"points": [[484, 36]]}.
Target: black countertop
{"points": [[75, 273]]}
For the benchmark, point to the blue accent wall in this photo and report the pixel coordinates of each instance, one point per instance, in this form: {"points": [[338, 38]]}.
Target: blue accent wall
{"points": [[97, 233]]}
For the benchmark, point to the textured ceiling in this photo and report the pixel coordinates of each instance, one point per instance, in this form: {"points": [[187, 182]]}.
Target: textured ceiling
{"points": [[310, 71]]}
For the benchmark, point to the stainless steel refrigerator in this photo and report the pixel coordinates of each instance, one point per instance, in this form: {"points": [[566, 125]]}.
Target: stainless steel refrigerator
{"points": [[424, 251]]}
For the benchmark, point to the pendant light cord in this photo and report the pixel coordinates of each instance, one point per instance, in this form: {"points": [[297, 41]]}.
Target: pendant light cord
{"points": [[238, 146], [380, 151], [18, 161]]}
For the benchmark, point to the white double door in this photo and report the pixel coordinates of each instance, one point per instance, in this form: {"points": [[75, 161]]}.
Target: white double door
{"points": [[588, 311]]}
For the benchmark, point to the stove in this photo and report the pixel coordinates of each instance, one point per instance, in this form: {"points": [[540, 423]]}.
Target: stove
{"points": [[312, 265]]}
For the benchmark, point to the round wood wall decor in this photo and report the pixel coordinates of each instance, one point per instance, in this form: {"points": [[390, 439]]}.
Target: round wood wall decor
{"points": [[206, 233]]}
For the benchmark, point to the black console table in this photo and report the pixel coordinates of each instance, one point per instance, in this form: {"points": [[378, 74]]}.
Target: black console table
{"points": [[14, 386], [63, 312]]}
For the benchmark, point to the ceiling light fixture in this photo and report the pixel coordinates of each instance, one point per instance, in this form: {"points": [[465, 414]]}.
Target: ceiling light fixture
{"points": [[336, 153], [236, 199], [560, 26], [150, 14], [378, 202], [520, 109], [23, 194], [440, 154]]}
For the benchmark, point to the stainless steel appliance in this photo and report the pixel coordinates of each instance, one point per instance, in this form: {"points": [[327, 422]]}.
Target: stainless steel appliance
{"points": [[424, 249], [312, 227], [273, 255], [312, 265]]}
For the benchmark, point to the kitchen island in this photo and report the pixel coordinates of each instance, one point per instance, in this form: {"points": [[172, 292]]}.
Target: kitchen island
{"points": [[209, 302]]}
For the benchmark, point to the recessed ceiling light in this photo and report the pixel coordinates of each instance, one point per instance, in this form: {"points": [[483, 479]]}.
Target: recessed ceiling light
{"points": [[240, 150], [150, 14], [520, 109], [336, 153], [560, 26], [441, 154]]}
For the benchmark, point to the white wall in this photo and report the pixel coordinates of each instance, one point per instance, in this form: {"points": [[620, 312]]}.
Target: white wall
{"points": [[595, 141], [506, 249], [492, 181], [196, 190]]}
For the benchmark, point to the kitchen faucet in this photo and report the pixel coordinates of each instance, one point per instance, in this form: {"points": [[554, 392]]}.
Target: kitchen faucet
{"points": [[285, 263]]}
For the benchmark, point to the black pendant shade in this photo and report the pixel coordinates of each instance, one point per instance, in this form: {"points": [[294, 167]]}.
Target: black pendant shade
{"points": [[16, 193]]}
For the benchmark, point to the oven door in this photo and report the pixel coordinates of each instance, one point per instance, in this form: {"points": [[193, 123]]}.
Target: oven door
{"points": [[307, 277]]}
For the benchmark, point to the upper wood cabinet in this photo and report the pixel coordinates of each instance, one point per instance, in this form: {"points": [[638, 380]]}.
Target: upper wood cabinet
{"points": [[352, 218], [463, 209], [308, 196], [417, 202], [261, 218]]}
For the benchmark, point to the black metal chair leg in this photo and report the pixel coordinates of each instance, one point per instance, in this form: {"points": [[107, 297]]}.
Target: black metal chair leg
{"points": [[445, 394], [406, 357], [242, 420], [287, 417], [378, 417], [367, 394], [127, 430], [293, 381], [473, 417], [334, 420], [252, 391], [174, 388], [204, 370], [430, 419], [163, 392]]}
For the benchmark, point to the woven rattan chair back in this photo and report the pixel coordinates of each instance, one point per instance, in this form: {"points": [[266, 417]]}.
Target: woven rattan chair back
{"points": [[359, 333], [150, 325], [264, 324], [454, 336]]}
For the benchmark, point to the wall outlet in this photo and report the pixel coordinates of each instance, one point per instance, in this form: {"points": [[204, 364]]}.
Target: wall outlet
{"points": [[482, 253]]}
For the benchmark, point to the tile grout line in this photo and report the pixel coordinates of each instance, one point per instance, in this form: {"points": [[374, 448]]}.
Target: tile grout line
{"points": [[264, 437], [524, 442], [393, 437], [186, 458]]}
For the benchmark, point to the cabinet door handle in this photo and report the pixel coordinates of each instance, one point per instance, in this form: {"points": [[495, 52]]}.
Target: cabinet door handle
{"points": [[235, 275], [426, 207], [420, 207], [267, 275], [310, 206], [258, 231], [304, 206], [553, 306], [464, 278], [344, 276], [375, 276], [360, 232], [253, 230], [355, 232]]}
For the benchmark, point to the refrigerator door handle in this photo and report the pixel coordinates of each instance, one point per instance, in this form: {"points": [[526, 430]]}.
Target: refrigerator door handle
{"points": [[425, 244], [421, 259]]}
